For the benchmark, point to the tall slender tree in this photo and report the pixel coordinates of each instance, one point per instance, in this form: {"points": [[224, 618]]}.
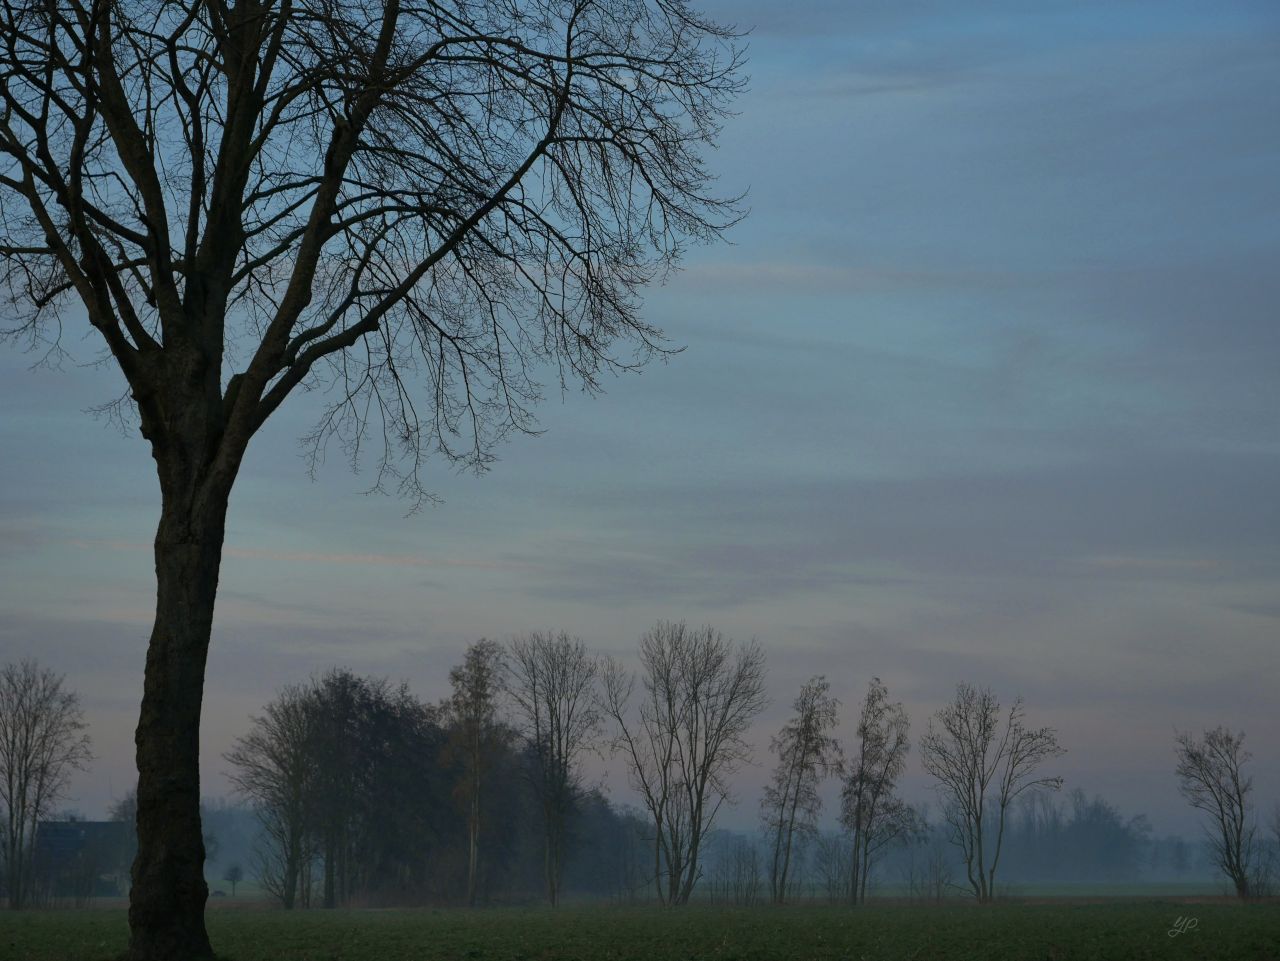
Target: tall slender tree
{"points": [[552, 681], [42, 740], [807, 753], [871, 810], [477, 736], [250, 196]]}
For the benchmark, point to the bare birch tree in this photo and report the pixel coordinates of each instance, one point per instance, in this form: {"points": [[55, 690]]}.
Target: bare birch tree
{"points": [[42, 741], [699, 693], [871, 810], [246, 197], [1211, 777], [477, 734], [552, 684], [983, 761], [807, 753]]}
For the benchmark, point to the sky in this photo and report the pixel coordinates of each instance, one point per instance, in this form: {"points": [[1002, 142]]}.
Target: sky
{"points": [[986, 388]]}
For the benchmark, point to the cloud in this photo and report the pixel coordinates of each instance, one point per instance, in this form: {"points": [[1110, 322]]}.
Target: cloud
{"points": [[1121, 564], [342, 558], [810, 278], [357, 559], [644, 574]]}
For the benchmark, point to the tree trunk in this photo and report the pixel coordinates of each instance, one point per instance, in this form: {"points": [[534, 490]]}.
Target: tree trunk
{"points": [[472, 858], [855, 872], [548, 876], [14, 856], [292, 859], [330, 869], [166, 904], [657, 861], [553, 861], [864, 874], [690, 869], [786, 850], [16, 859]]}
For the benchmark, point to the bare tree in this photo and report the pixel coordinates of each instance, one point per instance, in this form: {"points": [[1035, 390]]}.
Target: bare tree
{"points": [[247, 197], [871, 810], [833, 865], [736, 877], [233, 876], [42, 741], [477, 735], [982, 766], [552, 679], [807, 753], [1211, 777], [928, 872], [274, 767], [124, 809], [699, 694]]}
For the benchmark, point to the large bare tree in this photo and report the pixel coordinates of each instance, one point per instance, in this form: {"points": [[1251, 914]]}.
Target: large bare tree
{"points": [[983, 761], [551, 679], [249, 196], [1211, 777], [42, 741], [477, 733], [871, 810], [807, 752], [699, 694]]}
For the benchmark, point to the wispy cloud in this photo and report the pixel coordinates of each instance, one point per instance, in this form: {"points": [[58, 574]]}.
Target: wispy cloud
{"points": [[796, 277], [1156, 565], [312, 557]]}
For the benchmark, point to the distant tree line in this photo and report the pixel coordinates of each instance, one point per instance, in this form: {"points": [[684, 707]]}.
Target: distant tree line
{"points": [[1076, 839], [364, 794], [368, 795], [1048, 839]]}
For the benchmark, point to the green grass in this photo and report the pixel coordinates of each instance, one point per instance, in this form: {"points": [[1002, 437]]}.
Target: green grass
{"points": [[1020, 890], [1026, 932]]}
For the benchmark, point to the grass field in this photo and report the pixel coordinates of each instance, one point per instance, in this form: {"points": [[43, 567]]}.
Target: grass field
{"points": [[1222, 931]]}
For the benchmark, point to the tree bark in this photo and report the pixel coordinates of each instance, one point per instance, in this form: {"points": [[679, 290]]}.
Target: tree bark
{"points": [[166, 905], [197, 464]]}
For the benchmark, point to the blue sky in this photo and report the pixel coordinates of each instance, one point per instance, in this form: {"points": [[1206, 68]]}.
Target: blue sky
{"points": [[985, 389]]}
